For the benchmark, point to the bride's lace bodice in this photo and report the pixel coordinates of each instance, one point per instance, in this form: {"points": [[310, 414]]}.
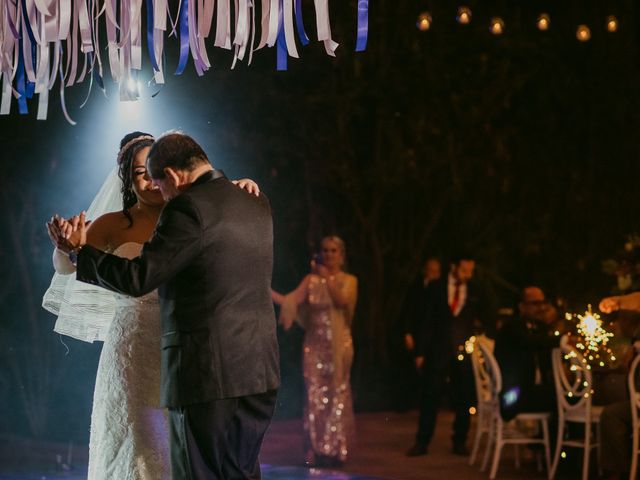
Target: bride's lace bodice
{"points": [[132, 250]]}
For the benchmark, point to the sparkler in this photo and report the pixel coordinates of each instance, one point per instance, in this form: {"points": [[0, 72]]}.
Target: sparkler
{"points": [[592, 337]]}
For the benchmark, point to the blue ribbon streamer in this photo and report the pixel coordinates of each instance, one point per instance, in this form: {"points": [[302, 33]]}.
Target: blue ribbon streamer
{"points": [[184, 36], [302, 35], [281, 44], [20, 83], [30, 90], [150, 43], [363, 25]]}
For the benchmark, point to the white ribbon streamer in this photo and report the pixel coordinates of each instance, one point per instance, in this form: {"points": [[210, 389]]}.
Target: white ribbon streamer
{"points": [[274, 22], [223, 23]]}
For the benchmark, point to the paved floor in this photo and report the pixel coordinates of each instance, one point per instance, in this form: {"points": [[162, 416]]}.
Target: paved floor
{"points": [[382, 440]]}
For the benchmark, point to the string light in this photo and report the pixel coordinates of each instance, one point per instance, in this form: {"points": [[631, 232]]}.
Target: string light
{"points": [[497, 26], [469, 345], [583, 33], [424, 21], [464, 15], [544, 21]]}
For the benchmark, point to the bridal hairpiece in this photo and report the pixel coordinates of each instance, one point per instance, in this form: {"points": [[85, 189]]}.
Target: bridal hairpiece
{"points": [[130, 143]]}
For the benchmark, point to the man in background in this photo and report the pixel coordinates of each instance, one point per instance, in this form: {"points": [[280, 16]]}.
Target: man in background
{"points": [[523, 351], [448, 315]]}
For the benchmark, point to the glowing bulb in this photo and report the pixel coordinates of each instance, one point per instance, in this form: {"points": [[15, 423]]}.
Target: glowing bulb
{"points": [[583, 33], [563, 454], [460, 357], [472, 410], [464, 15], [612, 23], [424, 21], [497, 26], [543, 21]]}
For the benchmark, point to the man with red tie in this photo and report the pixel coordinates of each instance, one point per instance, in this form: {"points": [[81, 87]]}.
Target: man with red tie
{"points": [[447, 317]]}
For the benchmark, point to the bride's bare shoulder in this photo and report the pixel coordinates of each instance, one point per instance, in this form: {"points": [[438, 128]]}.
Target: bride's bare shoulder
{"points": [[102, 230]]}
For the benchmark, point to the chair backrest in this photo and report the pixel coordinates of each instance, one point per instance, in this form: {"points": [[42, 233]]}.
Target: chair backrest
{"points": [[572, 377], [481, 376], [488, 371], [634, 395]]}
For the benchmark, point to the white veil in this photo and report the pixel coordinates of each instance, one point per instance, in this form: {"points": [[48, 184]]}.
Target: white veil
{"points": [[85, 311]]}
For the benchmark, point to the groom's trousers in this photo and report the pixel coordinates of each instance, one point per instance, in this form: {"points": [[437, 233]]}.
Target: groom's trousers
{"points": [[221, 439]]}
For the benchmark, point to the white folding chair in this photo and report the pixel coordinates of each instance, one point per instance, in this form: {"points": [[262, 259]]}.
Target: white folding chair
{"points": [[502, 433], [635, 424], [572, 377], [484, 399]]}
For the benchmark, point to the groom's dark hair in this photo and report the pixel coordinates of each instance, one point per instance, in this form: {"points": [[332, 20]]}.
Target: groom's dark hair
{"points": [[175, 150]]}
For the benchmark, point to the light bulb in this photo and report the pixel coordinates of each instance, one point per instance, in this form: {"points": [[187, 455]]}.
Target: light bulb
{"points": [[497, 26], [464, 15], [583, 33], [424, 21], [544, 21]]}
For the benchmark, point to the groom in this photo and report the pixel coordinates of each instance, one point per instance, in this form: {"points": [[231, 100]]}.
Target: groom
{"points": [[211, 259]]}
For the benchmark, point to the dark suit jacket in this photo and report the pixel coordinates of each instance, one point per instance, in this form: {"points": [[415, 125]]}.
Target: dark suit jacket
{"points": [[211, 259], [520, 347], [438, 332], [411, 312]]}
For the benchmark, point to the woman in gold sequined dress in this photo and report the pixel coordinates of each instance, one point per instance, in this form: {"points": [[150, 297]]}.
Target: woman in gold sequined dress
{"points": [[323, 304]]}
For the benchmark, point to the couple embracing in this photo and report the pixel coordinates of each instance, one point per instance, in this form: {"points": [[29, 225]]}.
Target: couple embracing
{"points": [[190, 324]]}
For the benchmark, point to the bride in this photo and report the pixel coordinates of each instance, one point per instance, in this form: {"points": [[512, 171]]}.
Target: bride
{"points": [[129, 433]]}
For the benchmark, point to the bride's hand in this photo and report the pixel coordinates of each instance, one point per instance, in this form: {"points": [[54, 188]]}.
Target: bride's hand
{"points": [[54, 232], [248, 185], [74, 232]]}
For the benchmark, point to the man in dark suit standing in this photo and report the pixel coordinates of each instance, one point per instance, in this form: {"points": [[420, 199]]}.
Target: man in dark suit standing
{"points": [[211, 259], [447, 316]]}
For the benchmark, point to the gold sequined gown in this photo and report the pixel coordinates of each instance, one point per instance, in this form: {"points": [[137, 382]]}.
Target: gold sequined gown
{"points": [[327, 360]]}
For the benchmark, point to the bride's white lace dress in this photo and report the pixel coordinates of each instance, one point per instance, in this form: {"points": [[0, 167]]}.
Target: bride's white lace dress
{"points": [[129, 434]]}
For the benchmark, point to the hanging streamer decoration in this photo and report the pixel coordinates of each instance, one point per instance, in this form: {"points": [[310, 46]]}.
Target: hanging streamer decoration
{"points": [[47, 41]]}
